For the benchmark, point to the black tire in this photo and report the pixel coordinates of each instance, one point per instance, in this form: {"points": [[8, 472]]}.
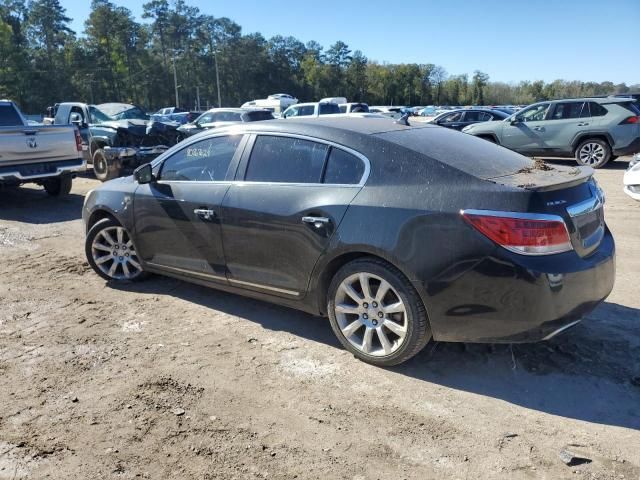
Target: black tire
{"points": [[613, 157], [418, 330], [601, 153], [58, 186], [97, 228], [104, 169]]}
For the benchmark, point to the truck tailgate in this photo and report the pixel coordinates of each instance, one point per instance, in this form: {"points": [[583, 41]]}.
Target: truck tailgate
{"points": [[33, 144]]}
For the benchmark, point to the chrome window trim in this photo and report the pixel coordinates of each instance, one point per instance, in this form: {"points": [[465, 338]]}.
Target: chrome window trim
{"points": [[363, 179], [525, 216]]}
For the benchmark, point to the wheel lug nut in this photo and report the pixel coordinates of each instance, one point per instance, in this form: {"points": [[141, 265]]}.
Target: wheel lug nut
{"points": [[380, 314], [365, 316], [120, 258], [365, 305], [374, 304], [375, 322]]}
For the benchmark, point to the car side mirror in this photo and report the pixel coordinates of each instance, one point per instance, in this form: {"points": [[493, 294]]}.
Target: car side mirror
{"points": [[144, 174], [515, 120]]}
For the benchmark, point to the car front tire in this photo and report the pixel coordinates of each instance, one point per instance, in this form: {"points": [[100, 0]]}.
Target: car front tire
{"points": [[110, 252], [376, 313], [103, 169]]}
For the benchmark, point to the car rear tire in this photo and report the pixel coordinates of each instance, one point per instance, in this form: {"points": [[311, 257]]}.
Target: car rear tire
{"points": [[104, 169], [594, 153], [111, 253], [376, 313], [58, 186]]}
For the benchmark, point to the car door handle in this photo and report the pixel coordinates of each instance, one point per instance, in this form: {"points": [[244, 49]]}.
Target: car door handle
{"points": [[316, 221], [538, 129], [584, 124], [205, 213]]}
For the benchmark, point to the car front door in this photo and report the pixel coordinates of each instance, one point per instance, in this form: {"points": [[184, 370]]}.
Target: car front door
{"points": [[566, 121], [177, 216], [525, 133], [280, 215]]}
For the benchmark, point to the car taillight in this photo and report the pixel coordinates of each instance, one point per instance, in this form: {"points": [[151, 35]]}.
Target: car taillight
{"points": [[630, 120], [78, 140], [524, 233]]}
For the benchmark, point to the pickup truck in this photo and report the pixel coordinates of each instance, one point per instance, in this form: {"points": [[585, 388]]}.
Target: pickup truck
{"points": [[47, 155], [115, 137]]}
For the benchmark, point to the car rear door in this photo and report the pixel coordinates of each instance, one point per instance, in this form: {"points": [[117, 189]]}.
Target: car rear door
{"points": [[474, 116], [177, 217], [279, 216]]}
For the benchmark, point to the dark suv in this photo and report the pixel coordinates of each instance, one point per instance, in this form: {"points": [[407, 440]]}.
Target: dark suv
{"points": [[593, 130]]}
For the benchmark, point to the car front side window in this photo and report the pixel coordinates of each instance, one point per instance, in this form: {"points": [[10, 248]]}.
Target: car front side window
{"points": [[534, 114], [206, 160]]}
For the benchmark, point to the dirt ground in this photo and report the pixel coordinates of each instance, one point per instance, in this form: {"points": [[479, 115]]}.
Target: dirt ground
{"points": [[167, 380]]}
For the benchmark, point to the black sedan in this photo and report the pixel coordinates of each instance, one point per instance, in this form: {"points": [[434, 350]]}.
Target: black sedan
{"points": [[398, 234], [458, 119]]}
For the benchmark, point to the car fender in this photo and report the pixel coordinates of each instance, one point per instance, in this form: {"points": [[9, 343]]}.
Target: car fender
{"points": [[580, 136]]}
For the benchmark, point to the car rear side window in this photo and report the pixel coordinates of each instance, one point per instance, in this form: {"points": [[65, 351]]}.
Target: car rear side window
{"points": [[567, 110], [597, 110], [286, 160], [9, 117], [343, 168], [204, 161]]}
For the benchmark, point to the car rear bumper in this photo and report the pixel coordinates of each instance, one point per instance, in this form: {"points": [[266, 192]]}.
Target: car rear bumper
{"points": [[30, 172], [633, 147], [509, 298]]}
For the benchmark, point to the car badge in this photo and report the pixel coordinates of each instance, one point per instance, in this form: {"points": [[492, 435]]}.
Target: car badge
{"points": [[31, 142]]}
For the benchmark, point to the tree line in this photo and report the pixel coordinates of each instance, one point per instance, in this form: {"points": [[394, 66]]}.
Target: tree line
{"points": [[117, 58]]}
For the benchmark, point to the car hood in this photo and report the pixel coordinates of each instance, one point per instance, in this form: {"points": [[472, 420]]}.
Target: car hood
{"points": [[137, 127]]}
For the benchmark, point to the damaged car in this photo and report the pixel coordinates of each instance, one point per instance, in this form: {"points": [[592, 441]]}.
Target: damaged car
{"points": [[117, 137]]}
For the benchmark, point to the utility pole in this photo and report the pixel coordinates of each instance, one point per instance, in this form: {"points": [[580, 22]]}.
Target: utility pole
{"points": [[198, 98], [215, 59], [175, 78]]}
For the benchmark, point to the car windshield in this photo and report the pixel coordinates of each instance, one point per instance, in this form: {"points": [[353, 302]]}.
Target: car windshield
{"points": [[123, 111], [98, 116]]}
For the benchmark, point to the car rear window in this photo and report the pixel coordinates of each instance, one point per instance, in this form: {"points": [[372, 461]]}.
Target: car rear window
{"points": [[631, 106], [327, 108], [469, 154], [286, 160], [9, 117], [343, 168], [258, 116]]}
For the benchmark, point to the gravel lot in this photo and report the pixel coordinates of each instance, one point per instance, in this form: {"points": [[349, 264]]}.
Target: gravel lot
{"points": [[167, 380]]}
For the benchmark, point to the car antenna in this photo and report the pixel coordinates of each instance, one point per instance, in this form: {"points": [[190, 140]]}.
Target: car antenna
{"points": [[404, 120]]}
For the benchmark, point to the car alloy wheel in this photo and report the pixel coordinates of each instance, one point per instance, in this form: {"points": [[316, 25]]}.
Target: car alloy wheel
{"points": [[371, 314], [113, 253], [593, 153]]}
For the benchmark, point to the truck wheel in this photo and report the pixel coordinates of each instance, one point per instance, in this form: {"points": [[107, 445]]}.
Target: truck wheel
{"points": [[594, 153], [104, 169], [58, 186]]}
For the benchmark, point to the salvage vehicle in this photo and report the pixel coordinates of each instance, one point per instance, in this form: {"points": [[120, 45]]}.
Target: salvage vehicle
{"points": [[116, 137], [220, 117], [46, 155], [631, 178], [398, 234], [592, 130]]}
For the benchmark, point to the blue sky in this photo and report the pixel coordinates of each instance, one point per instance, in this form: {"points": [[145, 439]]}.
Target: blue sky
{"points": [[511, 40]]}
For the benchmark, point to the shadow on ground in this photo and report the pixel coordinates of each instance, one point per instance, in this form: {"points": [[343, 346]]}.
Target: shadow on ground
{"points": [[35, 206], [618, 164], [591, 373]]}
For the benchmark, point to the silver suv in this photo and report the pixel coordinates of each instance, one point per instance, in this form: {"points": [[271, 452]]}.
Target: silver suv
{"points": [[593, 130]]}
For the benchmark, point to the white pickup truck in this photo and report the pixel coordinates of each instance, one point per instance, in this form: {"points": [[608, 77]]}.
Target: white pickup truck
{"points": [[48, 155]]}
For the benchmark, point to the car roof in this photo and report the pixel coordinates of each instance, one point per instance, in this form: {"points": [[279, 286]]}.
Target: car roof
{"points": [[603, 100], [328, 127]]}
